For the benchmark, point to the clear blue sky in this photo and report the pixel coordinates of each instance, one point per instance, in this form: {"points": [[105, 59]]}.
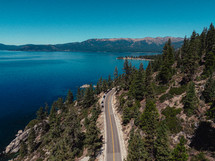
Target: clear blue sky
{"points": [[61, 21]]}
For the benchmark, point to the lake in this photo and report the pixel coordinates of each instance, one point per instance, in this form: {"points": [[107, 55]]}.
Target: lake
{"points": [[28, 80]]}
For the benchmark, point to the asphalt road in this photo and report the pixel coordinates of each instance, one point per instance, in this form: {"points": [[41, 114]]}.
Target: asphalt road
{"points": [[113, 146]]}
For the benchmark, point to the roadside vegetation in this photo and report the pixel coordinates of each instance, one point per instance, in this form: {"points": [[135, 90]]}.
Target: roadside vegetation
{"points": [[172, 102]]}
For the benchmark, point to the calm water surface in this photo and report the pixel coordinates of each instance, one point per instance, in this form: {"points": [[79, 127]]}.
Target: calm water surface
{"points": [[29, 79]]}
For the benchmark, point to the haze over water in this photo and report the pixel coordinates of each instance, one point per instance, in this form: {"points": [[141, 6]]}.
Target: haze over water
{"points": [[29, 79]]}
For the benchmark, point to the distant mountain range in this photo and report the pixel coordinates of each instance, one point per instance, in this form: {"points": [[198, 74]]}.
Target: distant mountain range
{"points": [[147, 44]]}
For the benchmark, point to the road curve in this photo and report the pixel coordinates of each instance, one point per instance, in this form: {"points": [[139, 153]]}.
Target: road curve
{"points": [[112, 138]]}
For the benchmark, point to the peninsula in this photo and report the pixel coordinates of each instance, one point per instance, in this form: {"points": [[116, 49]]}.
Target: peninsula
{"points": [[142, 57]]}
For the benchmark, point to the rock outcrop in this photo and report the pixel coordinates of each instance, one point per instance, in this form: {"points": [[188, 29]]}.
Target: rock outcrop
{"points": [[14, 146], [22, 136]]}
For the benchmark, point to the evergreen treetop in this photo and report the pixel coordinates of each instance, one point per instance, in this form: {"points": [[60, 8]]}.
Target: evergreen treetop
{"points": [[180, 151]]}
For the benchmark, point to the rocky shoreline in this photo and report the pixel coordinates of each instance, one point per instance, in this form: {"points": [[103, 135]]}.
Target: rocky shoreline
{"points": [[14, 145], [22, 135]]}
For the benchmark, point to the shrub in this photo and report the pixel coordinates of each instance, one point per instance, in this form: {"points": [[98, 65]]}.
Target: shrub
{"points": [[39, 159], [199, 157], [172, 122], [211, 112], [165, 97], [159, 89], [190, 101], [177, 90]]}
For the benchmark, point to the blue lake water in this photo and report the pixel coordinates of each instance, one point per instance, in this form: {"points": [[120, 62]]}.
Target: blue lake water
{"points": [[29, 79]]}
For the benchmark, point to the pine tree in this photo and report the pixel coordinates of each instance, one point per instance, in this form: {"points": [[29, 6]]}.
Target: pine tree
{"points": [[70, 97], [190, 101], [149, 122], [211, 112], [86, 122], [79, 96], [116, 77], [109, 82], [100, 81], [184, 51], [88, 99], [136, 112], [23, 149], [156, 64], [166, 71], [93, 140], [149, 91], [73, 132], [203, 42], [168, 54], [141, 69], [149, 72], [136, 149], [194, 47], [98, 88], [54, 122], [31, 140], [104, 85], [162, 146], [115, 73], [209, 91], [190, 56], [180, 151], [165, 74], [46, 110], [59, 104], [210, 39], [52, 115], [126, 115], [95, 113], [127, 69], [199, 157], [68, 142], [209, 64], [60, 151], [40, 114], [171, 120], [136, 89]]}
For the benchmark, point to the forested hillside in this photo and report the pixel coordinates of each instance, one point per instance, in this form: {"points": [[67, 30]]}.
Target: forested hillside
{"points": [[168, 109], [170, 106]]}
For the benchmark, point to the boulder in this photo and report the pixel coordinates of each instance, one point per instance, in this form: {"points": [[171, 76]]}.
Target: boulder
{"points": [[85, 159], [20, 132]]}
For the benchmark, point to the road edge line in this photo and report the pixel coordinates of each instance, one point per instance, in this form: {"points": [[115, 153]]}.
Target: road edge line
{"points": [[105, 134]]}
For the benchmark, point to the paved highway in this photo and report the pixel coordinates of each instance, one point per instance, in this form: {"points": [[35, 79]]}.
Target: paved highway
{"points": [[112, 137]]}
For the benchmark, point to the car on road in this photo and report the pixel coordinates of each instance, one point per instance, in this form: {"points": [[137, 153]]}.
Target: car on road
{"points": [[102, 102]]}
